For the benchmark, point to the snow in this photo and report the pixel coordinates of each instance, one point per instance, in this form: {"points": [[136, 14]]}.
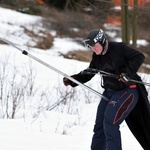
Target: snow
{"points": [[34, 127], [16, 18]]}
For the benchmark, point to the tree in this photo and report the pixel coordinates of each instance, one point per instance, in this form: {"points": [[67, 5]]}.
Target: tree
{"points": [[134, 27], [63, 4], [125, 21], [9, 2], [129, 26]]}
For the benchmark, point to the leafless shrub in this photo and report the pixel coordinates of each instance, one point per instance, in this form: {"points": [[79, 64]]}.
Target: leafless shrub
{"points": [[14, 88]]}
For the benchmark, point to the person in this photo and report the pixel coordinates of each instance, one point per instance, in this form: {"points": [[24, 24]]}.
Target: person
{"points": [[126, 99]]}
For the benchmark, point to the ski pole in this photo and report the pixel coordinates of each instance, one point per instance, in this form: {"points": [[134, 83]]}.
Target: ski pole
{"points": [[104, 73], [56, 70]]}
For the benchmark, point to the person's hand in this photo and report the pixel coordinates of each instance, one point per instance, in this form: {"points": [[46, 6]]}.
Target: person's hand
{"points": [[66, 81], [124, 77]]}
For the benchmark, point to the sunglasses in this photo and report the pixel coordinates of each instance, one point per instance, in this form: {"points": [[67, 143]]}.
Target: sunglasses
{"points": [[86, 43]]}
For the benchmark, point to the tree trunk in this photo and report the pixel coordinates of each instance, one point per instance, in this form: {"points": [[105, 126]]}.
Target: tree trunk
{"points": [[125, 21], [67, 5], [134, 27]]}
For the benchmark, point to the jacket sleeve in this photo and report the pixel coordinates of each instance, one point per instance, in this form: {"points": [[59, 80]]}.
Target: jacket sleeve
{"points": [[133, 58], [84, 76]]}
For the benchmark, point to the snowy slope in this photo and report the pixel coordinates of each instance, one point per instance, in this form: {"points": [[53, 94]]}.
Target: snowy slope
{"points": [[36, 128]]}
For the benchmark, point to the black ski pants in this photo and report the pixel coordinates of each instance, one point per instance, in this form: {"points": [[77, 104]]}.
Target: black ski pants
{"points": [[109, 117]]}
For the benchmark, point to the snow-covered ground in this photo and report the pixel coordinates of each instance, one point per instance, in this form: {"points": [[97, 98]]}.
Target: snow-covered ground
{"points": [[34, 127]]}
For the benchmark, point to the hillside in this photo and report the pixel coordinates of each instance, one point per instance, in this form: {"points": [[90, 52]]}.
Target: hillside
{"points": [[37, 111], [53, 23]]}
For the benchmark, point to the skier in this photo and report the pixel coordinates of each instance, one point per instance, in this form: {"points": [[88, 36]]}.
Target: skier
{"points": [[128, 101]]}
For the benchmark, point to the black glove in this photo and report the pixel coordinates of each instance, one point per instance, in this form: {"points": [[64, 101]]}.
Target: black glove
{"points": [[124, 77], [67, 82]]}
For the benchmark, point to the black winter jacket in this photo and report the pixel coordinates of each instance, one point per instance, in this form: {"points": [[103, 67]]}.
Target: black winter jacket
{"points": [[119, 58]]}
